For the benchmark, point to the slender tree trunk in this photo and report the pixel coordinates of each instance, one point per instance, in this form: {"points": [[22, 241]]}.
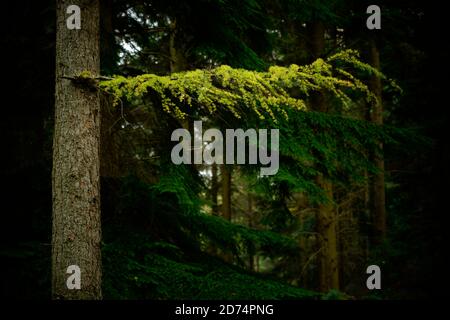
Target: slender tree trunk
{"points": [[326, 215], [303, 254], [214, 204], [109, 153], [327, 228], [226, 192], [226, 201], [76, 188], [214, 189], [178, 60], [377, 188], [316, 38], [364, 217], [251, 250], [108, 53]]}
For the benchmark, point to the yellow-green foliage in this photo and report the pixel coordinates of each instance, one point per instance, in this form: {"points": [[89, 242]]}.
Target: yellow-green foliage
{"points": [[267, 94]]}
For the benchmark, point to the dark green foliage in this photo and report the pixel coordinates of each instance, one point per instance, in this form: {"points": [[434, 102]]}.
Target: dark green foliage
{"points": [[140, 269], [140, 263], [208, 33], [315, 143]]}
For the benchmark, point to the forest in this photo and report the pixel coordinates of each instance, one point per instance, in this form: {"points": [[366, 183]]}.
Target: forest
{"points": [[224, 149]]}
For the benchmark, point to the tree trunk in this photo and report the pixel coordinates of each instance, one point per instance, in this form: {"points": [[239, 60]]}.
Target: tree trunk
{"points": [[76, 188], [226, 201], [251, 249], [316, 31], [226, 192], [108, 49], [214, 189], [377, 191], [178, 60], [327, 229], [214, 204], [326, 215]]}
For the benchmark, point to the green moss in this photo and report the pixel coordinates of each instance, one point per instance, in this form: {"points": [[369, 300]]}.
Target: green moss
{"points": [[267, 94], [86, 74]]}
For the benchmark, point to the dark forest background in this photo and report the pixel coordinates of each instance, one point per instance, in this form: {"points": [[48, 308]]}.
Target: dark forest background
{"points": [[147, 252]]}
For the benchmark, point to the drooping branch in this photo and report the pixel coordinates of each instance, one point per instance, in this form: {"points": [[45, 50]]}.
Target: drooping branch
{"points": [[267, 94]]}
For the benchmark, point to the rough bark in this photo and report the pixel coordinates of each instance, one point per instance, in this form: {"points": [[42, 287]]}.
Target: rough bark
{"points": [[76, 188], [377, 187], [326, 214]]}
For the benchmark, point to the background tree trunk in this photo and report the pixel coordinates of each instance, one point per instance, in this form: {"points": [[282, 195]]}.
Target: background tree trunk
{"points": [[377, 191], [214, 189], [327, 229], [326, 215], [226, 192], [76, 188], [226, 201], [178, 60], [251, 251]]}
